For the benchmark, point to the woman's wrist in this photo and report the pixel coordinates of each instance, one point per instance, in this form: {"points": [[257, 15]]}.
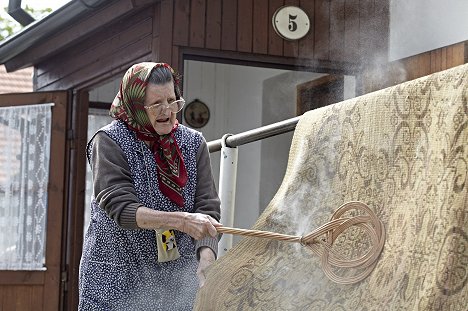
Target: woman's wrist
{"points": [[147, 218], [207, 253]]}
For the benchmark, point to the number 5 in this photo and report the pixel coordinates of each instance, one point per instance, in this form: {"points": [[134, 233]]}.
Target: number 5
{"points": [[292, 26]]}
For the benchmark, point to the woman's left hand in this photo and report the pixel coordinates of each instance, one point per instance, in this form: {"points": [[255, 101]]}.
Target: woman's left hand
{"points": [[207, 257]]}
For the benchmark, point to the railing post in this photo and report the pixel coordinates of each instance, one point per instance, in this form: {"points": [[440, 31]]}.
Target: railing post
{"points": [[227, 190]]}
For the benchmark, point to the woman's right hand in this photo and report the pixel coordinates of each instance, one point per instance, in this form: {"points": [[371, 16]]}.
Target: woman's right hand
{"points": [[199, 225]]}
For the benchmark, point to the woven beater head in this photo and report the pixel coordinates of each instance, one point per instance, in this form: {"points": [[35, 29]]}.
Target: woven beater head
{"points": [[321, 241]]}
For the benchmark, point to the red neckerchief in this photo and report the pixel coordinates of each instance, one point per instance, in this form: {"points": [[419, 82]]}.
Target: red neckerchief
{"points": [[172, 174]]}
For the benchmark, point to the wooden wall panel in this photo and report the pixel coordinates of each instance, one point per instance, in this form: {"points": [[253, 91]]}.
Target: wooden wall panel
{"points": [[107, 67], [197, 23], [175, 59], [291, 48], [181, 22], [275, 42], [112, 31], [337, 29], [457, 54], [156, 36], [260, 27], [346, 31], [213, 24], [424, 64], [306, 44], [96, 53], [229, 25], [381, 22], [414, 67], [443, 58], [351, 30], [322, 29], [341, 30], [244, 25], [366, 27], [21, 298], [166, 24]]}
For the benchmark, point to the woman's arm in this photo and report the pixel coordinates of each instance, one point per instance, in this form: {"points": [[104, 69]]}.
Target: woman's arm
{"points": [[112, 181], [206, 198], [115, 193], [197, 225]]}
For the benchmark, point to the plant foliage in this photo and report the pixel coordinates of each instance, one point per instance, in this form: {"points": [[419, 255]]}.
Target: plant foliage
{"points": [[8, 26]]}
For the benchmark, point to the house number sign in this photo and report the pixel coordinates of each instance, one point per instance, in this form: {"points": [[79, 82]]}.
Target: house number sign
{"points": [[291, 22]]}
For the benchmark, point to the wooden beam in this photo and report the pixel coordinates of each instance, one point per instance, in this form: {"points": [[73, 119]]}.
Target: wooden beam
{"points": [[269, 61]]}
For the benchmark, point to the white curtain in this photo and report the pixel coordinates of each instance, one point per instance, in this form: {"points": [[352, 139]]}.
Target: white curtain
{"points": [[24, 175], [97, 118]]}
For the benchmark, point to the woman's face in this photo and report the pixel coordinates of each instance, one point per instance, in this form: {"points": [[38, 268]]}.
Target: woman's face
{"points": [[162, 119]]}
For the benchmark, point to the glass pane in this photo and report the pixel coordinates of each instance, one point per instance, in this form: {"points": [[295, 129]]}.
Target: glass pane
{"points": [[24, 175]]}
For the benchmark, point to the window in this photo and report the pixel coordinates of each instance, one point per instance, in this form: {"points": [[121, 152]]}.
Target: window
{"points": [[25, 133]]}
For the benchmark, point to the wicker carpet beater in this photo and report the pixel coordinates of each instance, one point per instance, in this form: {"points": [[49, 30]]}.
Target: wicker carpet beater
{"points": [[321, 240]]}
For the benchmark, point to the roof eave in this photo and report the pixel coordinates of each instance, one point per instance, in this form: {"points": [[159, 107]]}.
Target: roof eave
{"points": [[44, 28]]}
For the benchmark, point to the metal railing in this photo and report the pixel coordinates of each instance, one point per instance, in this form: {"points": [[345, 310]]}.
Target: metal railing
{"points": [[243, 138], [228, 167]]}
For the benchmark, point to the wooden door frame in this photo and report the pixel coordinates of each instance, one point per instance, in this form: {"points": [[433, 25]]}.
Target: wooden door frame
{"points": [[314, 84], [266, 61], [50, 278], [76, 191]]}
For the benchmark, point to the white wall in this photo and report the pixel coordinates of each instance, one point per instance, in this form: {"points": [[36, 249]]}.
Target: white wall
{"points": [[241, 98], [417, 26], [234, 97]]}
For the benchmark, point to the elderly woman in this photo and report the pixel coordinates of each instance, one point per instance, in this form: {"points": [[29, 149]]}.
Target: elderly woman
{"points": [[154, 210]]}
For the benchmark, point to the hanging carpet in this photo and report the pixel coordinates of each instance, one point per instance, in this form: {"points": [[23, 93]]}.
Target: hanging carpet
{"points": [[403, 151]]}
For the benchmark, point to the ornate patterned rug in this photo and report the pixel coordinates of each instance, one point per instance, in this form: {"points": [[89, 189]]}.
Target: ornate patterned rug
{"points": [[404, 152]]}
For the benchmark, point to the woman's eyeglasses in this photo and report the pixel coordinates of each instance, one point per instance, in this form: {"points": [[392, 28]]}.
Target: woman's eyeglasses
{"points": [[174, 107]]}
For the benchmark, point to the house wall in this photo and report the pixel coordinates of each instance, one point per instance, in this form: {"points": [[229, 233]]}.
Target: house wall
{"points": [[342, 34], [97, 58], [340, 30], [412, 67], [103, 44], [16, 82]]}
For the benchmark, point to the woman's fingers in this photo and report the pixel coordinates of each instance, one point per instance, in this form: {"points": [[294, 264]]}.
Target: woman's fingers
{"points": [[200, 226], [211, 228]]}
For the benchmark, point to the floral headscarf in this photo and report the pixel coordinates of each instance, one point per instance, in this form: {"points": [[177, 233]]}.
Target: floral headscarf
{"points": [[128, 106]]}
